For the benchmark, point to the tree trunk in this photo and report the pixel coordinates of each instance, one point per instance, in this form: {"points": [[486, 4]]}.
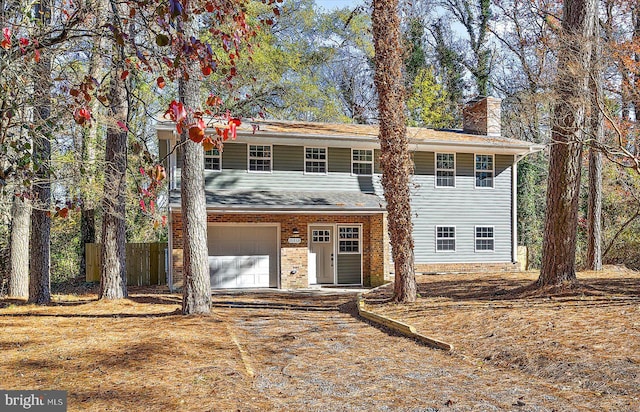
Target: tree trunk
{"points": [[197, 284], [85, 147], [113, 276], [594, 208], [563, 188], [40, 247], [395, 159], [20, 221], [636, 75], [87, 235]]}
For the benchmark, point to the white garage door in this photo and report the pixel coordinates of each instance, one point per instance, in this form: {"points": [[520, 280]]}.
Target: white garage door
{"points": [[243, 256]]}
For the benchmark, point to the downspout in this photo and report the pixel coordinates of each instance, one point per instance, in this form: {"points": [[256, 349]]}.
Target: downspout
{"points": [[514, 208]]}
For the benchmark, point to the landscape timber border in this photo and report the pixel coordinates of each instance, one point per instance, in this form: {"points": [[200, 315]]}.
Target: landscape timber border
{"points": [[399, 327]]}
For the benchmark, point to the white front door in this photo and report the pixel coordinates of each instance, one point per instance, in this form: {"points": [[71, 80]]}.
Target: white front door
{"points": [[321, 255]]}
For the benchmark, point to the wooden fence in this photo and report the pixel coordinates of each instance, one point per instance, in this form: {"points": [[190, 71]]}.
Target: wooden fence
{"points": [[145, 263]]}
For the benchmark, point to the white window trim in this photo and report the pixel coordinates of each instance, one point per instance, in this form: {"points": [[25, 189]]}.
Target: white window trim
{"points": [[475, 238], [359, 252], [493, 170], [323, 236], [219, 156], [435, 166], [326, 160], [372, 162], [455, 238], [249, 158]]}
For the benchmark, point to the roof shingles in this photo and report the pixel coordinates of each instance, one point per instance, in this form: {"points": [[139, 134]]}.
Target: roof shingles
{"points": [[284, 200]]}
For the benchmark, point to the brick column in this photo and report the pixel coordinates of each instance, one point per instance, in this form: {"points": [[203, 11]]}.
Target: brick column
{"points": [[388, 265], [379, 250], [294, 266]]}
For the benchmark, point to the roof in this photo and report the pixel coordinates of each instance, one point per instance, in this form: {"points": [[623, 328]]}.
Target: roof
{"points": [[424, 138], [316, 201]]}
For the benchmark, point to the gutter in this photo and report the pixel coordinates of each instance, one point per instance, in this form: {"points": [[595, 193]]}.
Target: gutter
{"points": [[509, 148], [293, 209]]}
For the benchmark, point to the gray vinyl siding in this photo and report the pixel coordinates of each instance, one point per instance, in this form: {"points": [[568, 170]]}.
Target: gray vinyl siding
{"points": [[349, 269], [163, 149], [376, 162], [463, 206], [288, 158], [179, 158], [423, 163], [234, 156], [288, 172], [339, 160]]}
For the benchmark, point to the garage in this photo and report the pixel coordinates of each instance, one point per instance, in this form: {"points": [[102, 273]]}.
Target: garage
{"points": [[243, 256]]}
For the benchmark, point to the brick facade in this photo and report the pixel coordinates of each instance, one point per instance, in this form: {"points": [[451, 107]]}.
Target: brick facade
{"points": [[294, 257], [430, 268], [377, 267]]}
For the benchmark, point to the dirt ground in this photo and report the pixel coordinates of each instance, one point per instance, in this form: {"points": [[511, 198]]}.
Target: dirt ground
{"points": [[585, 341], [310, 351]]}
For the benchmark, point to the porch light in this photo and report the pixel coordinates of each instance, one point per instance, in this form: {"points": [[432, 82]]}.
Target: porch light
{"points": [[295, 231]]}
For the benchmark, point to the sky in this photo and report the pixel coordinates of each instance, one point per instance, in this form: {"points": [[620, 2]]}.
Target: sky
{"points": [[337, 4]]}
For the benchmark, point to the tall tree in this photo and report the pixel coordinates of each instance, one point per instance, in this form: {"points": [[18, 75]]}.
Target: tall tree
{"points": [[427, 103], [525, 77], [20, 222], [86, 141], [594, 207], [450, 71], [40, 247], [474, 15], [351, 65], [197, 284], [395, 159], [18, 269], [113, 277], [415, 59], [574, 54]]}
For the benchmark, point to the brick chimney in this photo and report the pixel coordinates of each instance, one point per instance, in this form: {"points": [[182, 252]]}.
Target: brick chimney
{"points": [[481, 115]]}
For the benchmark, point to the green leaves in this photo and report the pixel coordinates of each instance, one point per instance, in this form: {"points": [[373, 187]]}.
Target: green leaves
{"points": [[427, 103]]}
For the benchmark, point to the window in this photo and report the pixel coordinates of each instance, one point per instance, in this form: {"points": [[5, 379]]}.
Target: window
{"points": [[484, 238], [445, 238], [445, 169], [259, 158], [212, 160], [315, 160], [320, 236], [349, 239], [362, 162], [484, 170]]}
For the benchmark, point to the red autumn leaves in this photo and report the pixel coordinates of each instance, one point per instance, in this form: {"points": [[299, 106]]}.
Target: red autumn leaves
{"points": [[197, 129], [23, 42], [156, 174]]}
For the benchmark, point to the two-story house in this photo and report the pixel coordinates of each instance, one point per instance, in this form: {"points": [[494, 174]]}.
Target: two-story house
{"points": [[292, 204]]}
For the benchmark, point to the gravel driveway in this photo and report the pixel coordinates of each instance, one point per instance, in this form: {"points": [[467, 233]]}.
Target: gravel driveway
{"points": [[311, 352]]}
